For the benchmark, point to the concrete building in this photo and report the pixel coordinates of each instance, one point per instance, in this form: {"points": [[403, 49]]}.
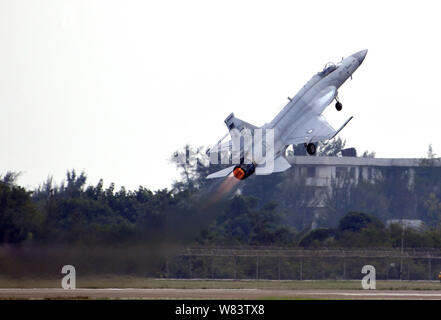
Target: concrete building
{"points": [[414, 224], [320, 172]]}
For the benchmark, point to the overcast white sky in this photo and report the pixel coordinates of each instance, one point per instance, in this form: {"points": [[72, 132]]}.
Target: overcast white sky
{"points": [[114, 87]]}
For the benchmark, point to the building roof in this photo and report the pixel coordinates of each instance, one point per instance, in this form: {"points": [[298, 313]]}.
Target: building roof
{"points": [[356, 161]]}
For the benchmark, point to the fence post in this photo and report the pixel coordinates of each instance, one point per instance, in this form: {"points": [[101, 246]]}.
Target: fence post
{"points": [[344, 269], [430, 267], [212, 267], [235, 267], [278, 269], [189, 266], [257, 268], [301, 268], [387, 268], [344, 265], [167, 269], [408, 269]]}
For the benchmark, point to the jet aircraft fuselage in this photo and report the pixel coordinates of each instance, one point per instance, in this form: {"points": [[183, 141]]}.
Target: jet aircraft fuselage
{"points": [[300, 121]]}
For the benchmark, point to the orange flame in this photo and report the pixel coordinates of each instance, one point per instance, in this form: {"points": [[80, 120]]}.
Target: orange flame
{"points": [[239, 173]]}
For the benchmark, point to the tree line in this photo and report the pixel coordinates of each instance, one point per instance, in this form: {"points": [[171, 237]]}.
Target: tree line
{"points": [[262, 210]]}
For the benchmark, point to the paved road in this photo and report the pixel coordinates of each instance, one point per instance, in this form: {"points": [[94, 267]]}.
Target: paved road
{"points": [[214, 294]]}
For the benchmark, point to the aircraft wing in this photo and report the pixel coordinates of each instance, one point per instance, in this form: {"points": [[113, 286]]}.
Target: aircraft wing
{"points": [[316, 128]]}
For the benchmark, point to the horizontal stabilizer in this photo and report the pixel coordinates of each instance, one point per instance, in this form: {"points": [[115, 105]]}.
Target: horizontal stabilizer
{"points": [[218, 146], [221, 173], [221, 147], [280, 164]]}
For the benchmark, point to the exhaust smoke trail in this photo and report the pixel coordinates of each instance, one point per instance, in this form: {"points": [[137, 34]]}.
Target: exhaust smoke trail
{"points": [[224, 189]]}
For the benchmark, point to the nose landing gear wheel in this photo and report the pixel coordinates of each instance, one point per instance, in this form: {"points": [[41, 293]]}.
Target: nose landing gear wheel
{"points": [[311, 148], [338, 106]]}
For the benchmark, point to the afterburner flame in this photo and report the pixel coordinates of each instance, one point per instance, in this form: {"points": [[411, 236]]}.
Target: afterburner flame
{"points": [[239, 173]]}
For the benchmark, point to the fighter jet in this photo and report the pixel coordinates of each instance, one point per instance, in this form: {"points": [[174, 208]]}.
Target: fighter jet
{"points": [[300, 122]]}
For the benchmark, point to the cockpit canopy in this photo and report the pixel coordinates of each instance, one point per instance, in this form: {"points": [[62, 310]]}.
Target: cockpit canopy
{"points": [[329, 67]]}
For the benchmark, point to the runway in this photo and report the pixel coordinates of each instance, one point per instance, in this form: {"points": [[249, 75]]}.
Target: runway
{"points": [[115, 293]]}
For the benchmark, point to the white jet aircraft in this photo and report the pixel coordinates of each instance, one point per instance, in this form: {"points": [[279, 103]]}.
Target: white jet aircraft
{"points": [[300, 121]]}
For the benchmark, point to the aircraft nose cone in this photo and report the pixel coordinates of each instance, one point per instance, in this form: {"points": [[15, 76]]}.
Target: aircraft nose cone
{"points": [[360, 55]]}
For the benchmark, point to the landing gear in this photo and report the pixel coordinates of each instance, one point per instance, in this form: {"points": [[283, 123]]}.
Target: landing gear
{"points": [[338, 104], [311, 148]]}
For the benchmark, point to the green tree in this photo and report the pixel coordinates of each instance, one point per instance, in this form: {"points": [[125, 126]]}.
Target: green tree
{"points": [[331, 148], [317, 237], [357, 229], [368, 154], [243, 222], [338, 199], [433, 210], [356, 221], [20, 219]]}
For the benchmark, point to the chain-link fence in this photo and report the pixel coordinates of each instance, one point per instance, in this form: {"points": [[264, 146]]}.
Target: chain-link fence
{"points": [[303, 264]]}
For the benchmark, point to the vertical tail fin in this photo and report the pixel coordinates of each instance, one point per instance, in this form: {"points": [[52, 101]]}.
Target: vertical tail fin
{"points": [[235, 123]]}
